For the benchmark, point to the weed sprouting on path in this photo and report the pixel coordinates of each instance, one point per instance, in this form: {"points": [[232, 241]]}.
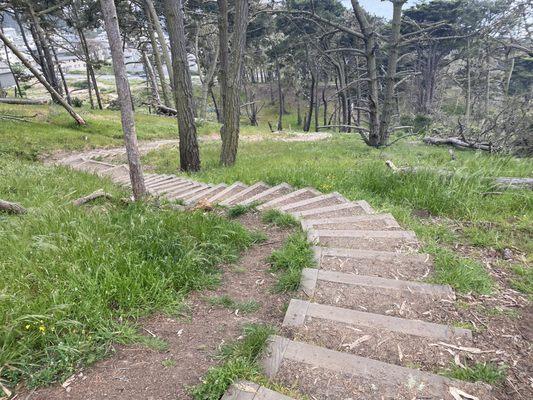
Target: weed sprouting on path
{"points": [[280, 219], [74, 279]]}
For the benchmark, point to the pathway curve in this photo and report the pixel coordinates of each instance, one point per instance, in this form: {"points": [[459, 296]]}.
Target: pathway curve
{"points": [[365, 324]]}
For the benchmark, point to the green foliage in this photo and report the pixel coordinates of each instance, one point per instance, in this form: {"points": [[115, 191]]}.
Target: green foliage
{"points": [[280, 219], [524, 279], [295, 255], [245, 307], [479, 372], [74, 279], [239, 361], [77, 102]]}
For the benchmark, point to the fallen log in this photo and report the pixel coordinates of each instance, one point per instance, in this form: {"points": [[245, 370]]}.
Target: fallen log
{"points": [[93, 196], [502, 183], [9, 100], [161, 109], [11, 208], [456, 142]]}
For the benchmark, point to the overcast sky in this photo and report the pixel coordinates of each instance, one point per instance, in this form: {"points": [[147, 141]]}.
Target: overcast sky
{"points": [[378, 7]]}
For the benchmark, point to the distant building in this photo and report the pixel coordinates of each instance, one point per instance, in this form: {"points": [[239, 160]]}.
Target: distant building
{"points": [[7, 79]]}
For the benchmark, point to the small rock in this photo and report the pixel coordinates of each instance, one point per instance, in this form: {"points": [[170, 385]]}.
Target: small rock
{"points": [[507, 254]]}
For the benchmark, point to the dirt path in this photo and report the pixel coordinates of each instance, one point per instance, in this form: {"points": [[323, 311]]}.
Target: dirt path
{"points": [[137, 372]]}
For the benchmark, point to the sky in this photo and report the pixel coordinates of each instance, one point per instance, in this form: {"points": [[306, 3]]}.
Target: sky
{"points": [[378, 7]]}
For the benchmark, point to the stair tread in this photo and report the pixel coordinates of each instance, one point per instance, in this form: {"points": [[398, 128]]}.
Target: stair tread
{"points": [[244, 390], [339, 210], [323, 200], [267, 195], [297, 195], [330, 374], [229, 191], [250, 191], [361, 222]]}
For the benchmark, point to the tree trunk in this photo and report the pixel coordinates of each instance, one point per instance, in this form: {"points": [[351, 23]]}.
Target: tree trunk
{"points": [[161, 38], [183, 94], [62, 75], [90, 69], [55, 95], [280, 97], [388, 95], [325, 102], [157, 60], [124, 97], [150, 74], [89, 85], [231, 76], [8, 61], [468, 96], [215, 105]]}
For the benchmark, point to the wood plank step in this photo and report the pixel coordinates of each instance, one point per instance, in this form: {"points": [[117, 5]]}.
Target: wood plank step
{"points": [[179, 195], [339, 210], [386, 264], [311, 276], [171, 193], [325, 200], [364, 239], [158, 178], [299, 310], [385, 296], [171, 187], [117, 172], [244, 390], [293, 197], [360, 222], [203, 195], [228, 192], [164, 184], [242, 195], [194, 192], [267, 195], [328, 374]]}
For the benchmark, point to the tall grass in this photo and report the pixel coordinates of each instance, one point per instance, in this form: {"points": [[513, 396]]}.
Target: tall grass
{"points": [[74, 279]]}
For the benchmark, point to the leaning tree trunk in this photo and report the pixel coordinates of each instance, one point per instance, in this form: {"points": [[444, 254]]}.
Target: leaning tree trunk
{"points": [[152, 81], [55, 95], [161, 37], [183, 94], [124, 97], [231, 76]]}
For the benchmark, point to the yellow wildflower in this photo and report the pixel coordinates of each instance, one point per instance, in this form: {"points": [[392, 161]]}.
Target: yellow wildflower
{"points": [[42, 329]]}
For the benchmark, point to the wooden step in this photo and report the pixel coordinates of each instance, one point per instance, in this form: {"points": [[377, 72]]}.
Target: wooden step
{"points": [[339, 210], [117, 172], [228, 192], [328, 374], [172, 187], [184, 194], [172, 194], [204, 195], [157, 179], [164, 184], [242, 195], [293, 197], [393, 340], [364, 239], [244, 390], [355, 222], [385, 296], [267, 195], [325, 200], [386, 264], [195, 192]]}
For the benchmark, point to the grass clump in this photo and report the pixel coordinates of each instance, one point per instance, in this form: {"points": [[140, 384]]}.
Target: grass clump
{"points": [[463, 274], [524, 279], [290, 260], [280, 219], [240, 209], [245, 307], [239, 361], [479, 372], [75, 279]]}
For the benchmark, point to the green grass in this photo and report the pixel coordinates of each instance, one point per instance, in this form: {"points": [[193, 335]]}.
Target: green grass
{"points": [[280, 219], [75, 279], [479, 372], [294, 256], [238, 361], [524, 279], [240, 209], [244, 307], [463, 208]]}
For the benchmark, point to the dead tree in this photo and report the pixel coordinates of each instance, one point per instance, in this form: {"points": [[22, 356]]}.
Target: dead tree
{"points": [[124, 97], [183, 93], [55, 95]]}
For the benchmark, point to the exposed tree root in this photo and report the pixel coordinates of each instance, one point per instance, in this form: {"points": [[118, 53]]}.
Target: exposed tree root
{"points": [[11, 208]]}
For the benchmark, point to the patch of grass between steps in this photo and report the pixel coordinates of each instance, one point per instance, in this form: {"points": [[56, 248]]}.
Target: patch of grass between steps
{"points": [[479, 372], [295, 255], [279, 219]]}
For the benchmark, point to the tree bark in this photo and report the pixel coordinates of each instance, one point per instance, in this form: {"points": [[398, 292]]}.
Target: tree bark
{"points": [[388, 95], [150, 74], [231, 76], [280, 97], [157, 59], [161, 38], [55, 95], [124, 96], [183, 94]]}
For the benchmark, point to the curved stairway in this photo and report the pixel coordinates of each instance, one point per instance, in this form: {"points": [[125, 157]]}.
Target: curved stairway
{"points": [[364, 325]]}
